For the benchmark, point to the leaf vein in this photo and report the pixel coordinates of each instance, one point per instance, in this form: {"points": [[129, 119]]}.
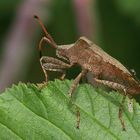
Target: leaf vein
{"points": [[11, 130], [42, 117], [93, 118]]}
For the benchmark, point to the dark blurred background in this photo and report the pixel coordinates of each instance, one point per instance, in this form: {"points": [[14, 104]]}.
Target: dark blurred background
{"points": [[112, 24]]}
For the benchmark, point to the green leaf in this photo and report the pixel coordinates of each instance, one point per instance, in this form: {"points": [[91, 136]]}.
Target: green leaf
{"points": [[30, 113]]}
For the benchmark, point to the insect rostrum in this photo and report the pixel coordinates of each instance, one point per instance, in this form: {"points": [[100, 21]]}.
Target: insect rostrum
{"points": [[106, 70]]}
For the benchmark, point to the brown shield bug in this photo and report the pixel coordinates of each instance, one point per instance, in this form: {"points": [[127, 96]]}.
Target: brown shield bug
{"points": [[106, 70]]}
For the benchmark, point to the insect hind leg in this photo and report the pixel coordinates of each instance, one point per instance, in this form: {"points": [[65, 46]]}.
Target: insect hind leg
{"points": [[118, 87], [113, 85], [120, 113]]}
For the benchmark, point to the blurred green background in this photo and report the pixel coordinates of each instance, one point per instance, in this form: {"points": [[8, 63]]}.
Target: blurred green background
{"points": [[114, 25]]}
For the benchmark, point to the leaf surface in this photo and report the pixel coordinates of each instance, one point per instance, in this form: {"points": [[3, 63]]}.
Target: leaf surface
{"points": [[30, 113]]}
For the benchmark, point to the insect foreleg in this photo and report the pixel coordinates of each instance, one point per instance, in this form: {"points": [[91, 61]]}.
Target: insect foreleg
{"points": [[53, 64]]}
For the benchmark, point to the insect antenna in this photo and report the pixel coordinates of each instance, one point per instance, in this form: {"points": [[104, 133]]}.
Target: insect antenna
{"points": [[48, 37]]}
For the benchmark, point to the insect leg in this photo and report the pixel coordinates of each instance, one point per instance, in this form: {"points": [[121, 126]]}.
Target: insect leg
{"points": [[120, 113], [45, 72], [55, 67], [62, 77], [119, 87], [110, 84], [49, 67], [78, 118], [53, 64], [71, 90], [76, 81], [52, 67]]}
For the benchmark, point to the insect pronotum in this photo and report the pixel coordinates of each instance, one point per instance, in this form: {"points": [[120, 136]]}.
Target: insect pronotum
{"points": [[106, 70]]}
